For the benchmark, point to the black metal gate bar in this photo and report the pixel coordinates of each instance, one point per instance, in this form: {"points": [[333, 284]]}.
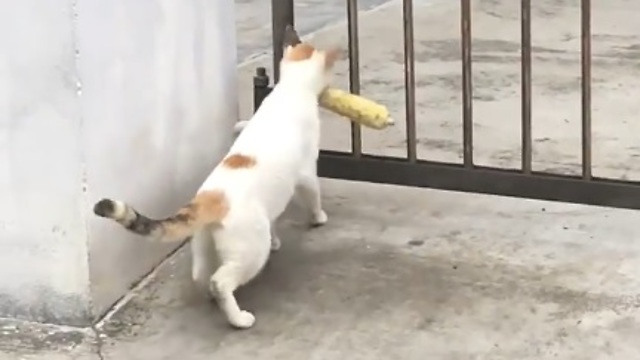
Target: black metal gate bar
{"points": [[282, 14], [409, 81], [525, 32], [484, 180], [467, 89], [354, 70], [465, 177], [586, 87]]}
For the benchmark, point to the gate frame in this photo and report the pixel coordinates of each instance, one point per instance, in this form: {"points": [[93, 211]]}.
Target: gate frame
{"points": [[465, 177]]}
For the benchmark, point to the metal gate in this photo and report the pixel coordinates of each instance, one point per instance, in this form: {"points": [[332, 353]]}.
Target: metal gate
{"points": [[466, 177]]}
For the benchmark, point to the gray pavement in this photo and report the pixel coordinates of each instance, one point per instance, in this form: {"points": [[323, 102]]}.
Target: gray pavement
{"points": [[400, 273], [254, 21], [406, 274], [422, 274]]}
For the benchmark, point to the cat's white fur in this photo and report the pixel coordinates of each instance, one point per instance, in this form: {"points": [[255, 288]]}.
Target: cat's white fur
{"points": [[239, 126], [283, 136], [283, 139]]}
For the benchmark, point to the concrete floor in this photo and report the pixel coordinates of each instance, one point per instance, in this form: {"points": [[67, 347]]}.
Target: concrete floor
{"points": [[400, 273], [253, 18], [414, 274], [410, 274]]}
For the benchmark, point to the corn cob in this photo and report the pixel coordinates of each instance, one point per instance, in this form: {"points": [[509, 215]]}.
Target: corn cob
{"points": [[357, 108]]}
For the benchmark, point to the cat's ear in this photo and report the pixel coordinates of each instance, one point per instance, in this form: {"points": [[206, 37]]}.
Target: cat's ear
{"points": [[331, 56], [290, 37]]}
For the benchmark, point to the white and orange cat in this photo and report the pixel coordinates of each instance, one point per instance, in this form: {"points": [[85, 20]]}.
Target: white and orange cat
{"points": [[236, 207]]}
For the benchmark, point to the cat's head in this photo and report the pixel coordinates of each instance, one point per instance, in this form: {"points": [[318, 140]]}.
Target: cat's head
{"points": [[304, 65]]}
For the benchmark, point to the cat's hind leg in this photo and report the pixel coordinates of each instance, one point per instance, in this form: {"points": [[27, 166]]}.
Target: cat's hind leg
{"points": [[243, 250], [202, 259], [223, 284]]}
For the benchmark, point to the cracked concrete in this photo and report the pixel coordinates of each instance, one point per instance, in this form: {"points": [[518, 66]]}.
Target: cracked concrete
{"points": [[413, 274]]}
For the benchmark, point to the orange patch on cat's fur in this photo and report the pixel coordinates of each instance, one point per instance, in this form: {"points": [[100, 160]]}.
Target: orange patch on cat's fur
{"points": [[239, 161], [205, 207], [210, 204], [299, 52]]}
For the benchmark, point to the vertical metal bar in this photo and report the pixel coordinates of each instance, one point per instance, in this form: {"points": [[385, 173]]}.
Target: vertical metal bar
{"points": [[586, 89], [354, 71], [467, 96], [409, 80], [525, 18], [281, 16], [260, 87]]}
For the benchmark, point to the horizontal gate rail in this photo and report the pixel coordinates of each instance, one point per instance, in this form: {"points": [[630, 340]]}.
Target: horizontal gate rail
{"points": [[466, 177], [484, 180]]}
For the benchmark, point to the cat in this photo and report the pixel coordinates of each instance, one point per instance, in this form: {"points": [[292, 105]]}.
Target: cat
{"points": [[235, 209]]}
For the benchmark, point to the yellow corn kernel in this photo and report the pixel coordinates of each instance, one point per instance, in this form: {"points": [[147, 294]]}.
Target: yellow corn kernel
{"points": [[358, 109]]}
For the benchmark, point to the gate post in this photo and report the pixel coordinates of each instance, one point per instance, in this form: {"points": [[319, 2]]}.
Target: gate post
{"points": [[282, 14]]}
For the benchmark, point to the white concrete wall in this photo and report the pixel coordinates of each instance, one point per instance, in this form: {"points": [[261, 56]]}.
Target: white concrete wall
{"points": [[43, 250], [127, 99]]}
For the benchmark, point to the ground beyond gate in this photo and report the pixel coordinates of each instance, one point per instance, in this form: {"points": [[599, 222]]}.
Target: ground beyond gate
{"points": [[468, 177]]}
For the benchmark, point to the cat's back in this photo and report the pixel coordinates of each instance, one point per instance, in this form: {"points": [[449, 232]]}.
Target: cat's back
{"points": [[285, 121], [289, 104], [271, 148]]}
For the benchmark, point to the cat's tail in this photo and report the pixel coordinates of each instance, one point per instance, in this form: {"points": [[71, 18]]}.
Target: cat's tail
{"points": [[206, 208]]}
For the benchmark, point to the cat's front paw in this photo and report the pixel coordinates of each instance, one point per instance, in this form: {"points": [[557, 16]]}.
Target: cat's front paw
{"points": [[243, 320], [319, 218], [239, 126], [275, 243]]}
